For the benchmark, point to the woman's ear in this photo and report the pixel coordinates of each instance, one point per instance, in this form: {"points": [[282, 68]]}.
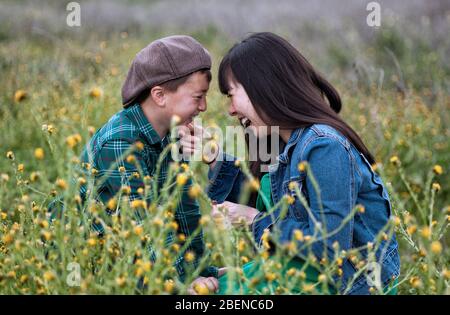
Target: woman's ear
{"points": [[158, 96]]}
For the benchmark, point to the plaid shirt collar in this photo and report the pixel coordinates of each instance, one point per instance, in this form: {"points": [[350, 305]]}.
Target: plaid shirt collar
{"points": [[137, 116]]}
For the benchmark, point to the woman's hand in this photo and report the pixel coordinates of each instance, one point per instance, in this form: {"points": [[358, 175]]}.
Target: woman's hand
{"points": [[190, 139], [234, 213], [196, 141]]}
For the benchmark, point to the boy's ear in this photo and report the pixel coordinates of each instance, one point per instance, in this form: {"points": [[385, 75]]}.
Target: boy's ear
{"points": [[158, 95]]}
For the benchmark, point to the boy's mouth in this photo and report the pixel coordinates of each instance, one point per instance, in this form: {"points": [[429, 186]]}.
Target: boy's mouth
{"points": [[190, 119], [245, 122]]}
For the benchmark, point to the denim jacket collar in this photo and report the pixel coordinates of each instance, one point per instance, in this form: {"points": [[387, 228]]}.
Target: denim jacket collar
{"points": [[293, 140]]}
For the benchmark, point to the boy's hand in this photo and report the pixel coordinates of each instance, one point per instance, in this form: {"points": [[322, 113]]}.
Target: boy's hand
{"points": [[234, 213], [203, 286]]}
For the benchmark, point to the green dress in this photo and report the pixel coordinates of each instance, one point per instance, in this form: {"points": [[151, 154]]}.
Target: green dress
{"points": [[254, 270]]}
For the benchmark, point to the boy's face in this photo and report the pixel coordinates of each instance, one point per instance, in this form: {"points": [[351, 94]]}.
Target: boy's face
{"points": [[189, 99]]}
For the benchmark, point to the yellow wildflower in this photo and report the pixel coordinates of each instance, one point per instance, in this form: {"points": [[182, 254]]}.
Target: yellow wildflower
{"points": [[34, 176], [437, 169], [172, 225], [138, 230], [291, 272], [436, 247], [205, 219], [112, 204], [254, 184], [446, 273], [138, 203], [61, 183], [126, 190], [169, 286], [241, 246], [49, 276], [302, 166], [96, 92], [426, 232], [396, 220], [194, 191], [415, 282], [10, 155], [293, 185], [39, 153], [20, 95], [92, 242], [175, 120], [201, 289], [71, 142], [436, 187], [131, 159], [411, 229], [158, 222], [361, 209], [81, 180], [189, 256], [270, 276], [139, 145], [91, 130], [306, 287], [120, 281], [395, 160], [181, 179]]}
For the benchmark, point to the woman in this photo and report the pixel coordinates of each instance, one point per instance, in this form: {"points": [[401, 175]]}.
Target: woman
{"points": [[272, 85]]}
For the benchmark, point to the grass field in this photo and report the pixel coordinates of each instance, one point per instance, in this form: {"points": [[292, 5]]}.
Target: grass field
{"points": [[55, 92]]}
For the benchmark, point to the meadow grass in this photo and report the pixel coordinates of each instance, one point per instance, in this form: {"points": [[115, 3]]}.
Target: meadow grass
{"points": [[56, 94]]}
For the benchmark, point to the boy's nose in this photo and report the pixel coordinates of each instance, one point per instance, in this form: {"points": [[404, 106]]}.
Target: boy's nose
{"points": [[203, 105]]}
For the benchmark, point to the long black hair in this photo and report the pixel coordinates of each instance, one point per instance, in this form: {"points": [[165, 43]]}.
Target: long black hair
{"points": [[283, 87]]}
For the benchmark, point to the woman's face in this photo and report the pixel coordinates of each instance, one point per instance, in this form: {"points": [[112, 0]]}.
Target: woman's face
{"points": [[243, 109]]}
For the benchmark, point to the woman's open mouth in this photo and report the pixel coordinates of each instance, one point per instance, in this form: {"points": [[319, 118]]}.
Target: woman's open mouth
{"points": [[245, 122]]}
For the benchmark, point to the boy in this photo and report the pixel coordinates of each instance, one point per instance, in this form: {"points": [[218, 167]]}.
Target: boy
{"points": [[168, 78]]}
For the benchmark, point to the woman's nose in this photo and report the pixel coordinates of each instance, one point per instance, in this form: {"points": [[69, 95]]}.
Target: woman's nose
{"points": [[232, 110]]}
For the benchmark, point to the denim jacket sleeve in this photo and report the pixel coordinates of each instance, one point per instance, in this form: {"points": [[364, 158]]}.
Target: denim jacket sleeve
{"points": [[225, 180], [333, 168]]}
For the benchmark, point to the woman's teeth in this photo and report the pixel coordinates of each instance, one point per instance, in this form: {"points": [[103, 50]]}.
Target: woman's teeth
{"points": [[245, 122]]}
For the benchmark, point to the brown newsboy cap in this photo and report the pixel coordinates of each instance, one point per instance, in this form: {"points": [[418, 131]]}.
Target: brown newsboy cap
{"points": [[163, 60]]}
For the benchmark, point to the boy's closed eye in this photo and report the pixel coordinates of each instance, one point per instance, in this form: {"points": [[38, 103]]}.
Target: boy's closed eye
{"points": [[199, 97]]}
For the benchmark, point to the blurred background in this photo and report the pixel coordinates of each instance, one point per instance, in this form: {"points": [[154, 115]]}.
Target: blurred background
{"points": [[412, 39]]}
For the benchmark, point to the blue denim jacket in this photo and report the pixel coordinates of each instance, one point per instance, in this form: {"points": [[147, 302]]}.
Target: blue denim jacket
{"points": [[345, 178]]}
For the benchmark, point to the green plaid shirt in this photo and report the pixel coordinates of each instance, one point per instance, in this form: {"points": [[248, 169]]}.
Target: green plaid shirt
{"points": [[106, 153]]}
